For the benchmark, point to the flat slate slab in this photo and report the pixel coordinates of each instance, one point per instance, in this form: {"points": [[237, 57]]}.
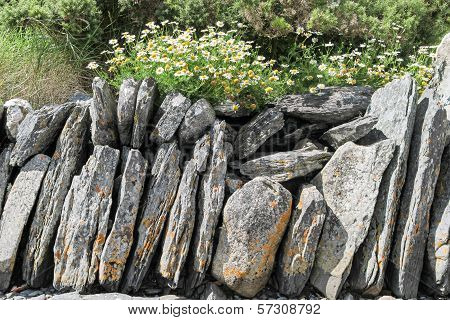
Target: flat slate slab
{"points": [[5, 172], [126, 106], [145, 108]]}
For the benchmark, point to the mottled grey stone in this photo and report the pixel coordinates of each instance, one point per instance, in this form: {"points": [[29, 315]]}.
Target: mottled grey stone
{"points": [[441, 80], [395, 106], [250, 235], [144, 110], [253, 134], [103, 114], [211, 196], [297, 251], [16, 212], [174, 107], [126, 106], [291, 137], [5, 173], [427, 146], [159, 199], [84, 221], [213, 292], [231, 109], [16, 110], [66, 161], [436, 272], [350, 131], [308, 144], [119, 241], [39, 130], [230, 133], [180, 226], [350, 184], [283, 166], [331, 105], [198, 118], [233, 183]]}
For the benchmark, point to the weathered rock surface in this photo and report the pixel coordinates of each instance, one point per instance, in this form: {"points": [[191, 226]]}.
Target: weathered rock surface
{"points": [[103, 115], [16, 110], [84, 221], [427, 146], [395, 106], [283, 166], [38, 130], [331, 105], [253, 134], [211, 196], [119, 241], [297, 251], [349, 183], [144, 110], [5, 172], [233, 183], [436, 273], [126, 106], [198, 118], [162, 189], [213, 292], [251, 233], [230, 109], [350, 131], [294, 133], [308, 144], [174, 107], [66, 161], [16, 212]]}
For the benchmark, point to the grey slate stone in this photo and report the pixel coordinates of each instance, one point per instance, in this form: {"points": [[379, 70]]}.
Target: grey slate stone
{"points": [[253, 134], [233, 183], [211, 197], [350, 184], [66, 161], [308, 144], [126, 106], [5, 173], [16, 212], [84, 221], [303, 131], [427, 146], [103, 114], [119, 241], [159, 198], [213, 292], [16, 110], [174, 107], [331, 105], [250, 235], [284, 166], [144, 110], [297, 250], [227, 109], [350, 131], [39, 130], [198, 118], [395, 106]]}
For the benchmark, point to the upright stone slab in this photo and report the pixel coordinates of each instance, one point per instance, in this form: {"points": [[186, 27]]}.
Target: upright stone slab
{"points": [[331, 105], [441, 79], [297, 250], [198, 118], [174, 107], [159, 198], [395, 106], [254, 220], [144, 110], [126, 106], [253, 134], [350, 184], [15, 215], [427, 146], [16, 110], [211, 196], [103, 115], [84, 221], [119, 241], [38, 131], [5, 172], [67, 159]]}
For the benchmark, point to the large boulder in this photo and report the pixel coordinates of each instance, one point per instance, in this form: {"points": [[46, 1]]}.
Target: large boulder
{"points": [[198, 118], [38, 131], [250, 235], [16, 110], [159, 198], [297, 251], [395, 106], [119, 241], [84, 222], [126, 106], [331, 105], [253, 134], [16, 212], [284, 166], [350, 184], [5, 172], [144, 110], [67, 160]]}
